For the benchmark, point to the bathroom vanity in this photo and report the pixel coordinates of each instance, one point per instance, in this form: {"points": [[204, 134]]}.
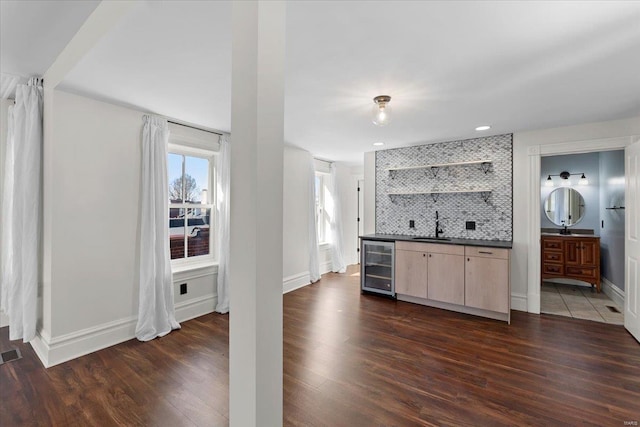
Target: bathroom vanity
{"points": [[571, 256]]}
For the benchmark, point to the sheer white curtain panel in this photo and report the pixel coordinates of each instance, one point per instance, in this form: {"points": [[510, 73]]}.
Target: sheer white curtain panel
{"points": [[337, 252], [314, 255], [222, 207], [156, 312], [21, 208]]}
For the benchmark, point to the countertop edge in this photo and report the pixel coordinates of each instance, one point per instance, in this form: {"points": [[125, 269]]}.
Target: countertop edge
{"points": [[459, 242]]}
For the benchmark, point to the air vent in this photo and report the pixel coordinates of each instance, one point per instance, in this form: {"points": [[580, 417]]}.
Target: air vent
{"points": [[612, 309], [9, 356]]}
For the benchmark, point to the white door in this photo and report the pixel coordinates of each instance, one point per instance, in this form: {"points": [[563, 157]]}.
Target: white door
{"points": [[632, 240], [360, 218]]}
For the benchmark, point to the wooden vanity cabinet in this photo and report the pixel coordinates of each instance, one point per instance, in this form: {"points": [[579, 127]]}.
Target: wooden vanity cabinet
{"points": [[571, 257]]}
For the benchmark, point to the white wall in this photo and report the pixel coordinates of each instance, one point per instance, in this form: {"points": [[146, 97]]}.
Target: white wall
{"points": [[95, 196], [295, 230], [521, 142], [296, 217], [4, 110]]}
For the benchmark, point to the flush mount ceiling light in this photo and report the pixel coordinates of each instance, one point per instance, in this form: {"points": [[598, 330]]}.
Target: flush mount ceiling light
{"points": [[381, 110], [564, 179], [378, 144], [485, 127]]}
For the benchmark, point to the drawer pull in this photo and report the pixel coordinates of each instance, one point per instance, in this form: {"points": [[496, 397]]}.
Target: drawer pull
{"points": [[485, 252]]}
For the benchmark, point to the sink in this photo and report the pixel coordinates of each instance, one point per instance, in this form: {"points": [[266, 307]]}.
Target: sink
{"points": [[433, 239]]}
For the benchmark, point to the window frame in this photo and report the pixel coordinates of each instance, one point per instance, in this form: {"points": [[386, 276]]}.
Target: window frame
{"points": [[187, 262]]}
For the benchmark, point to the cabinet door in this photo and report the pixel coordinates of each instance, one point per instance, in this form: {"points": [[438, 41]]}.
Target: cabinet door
{"points": [[487, 284], [411, 273], [589, 253], [572, 252], [445, 278]]}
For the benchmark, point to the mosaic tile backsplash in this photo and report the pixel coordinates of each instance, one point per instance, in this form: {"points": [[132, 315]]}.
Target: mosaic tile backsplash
{"points": [[491, 207]]}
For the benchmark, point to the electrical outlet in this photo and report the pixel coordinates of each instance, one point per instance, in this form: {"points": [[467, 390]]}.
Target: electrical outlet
{"points": [[470, 225], [183, 288], [412, 224]]}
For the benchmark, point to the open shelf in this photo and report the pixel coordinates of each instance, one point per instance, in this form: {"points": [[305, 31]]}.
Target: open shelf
{"points": [[484, 192], [484, 164], [375, 276]]}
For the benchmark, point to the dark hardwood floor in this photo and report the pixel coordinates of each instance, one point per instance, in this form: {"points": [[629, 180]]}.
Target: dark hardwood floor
{"points": [[349, 360]]}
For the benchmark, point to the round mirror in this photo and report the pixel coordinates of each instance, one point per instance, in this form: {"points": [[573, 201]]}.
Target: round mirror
{"points": [[564, 206]]}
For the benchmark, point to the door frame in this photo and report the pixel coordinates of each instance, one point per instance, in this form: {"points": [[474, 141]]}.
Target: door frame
{"points": [[535, 153]]}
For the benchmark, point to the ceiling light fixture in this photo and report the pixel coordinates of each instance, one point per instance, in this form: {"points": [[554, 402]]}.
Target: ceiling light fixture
{"points": [[485, 127], [381, 110], [378, 144]]}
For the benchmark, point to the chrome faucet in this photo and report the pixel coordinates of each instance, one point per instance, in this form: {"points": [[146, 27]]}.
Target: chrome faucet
{"points": [[438, 229]]}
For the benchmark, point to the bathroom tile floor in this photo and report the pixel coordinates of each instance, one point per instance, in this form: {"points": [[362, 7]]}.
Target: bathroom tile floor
{"points": [[579, 302]]}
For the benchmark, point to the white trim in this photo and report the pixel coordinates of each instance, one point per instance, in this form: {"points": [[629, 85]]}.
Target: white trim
{"points": [[53, 351], [196, 307], [533, 209], [194, 272], [325, 267], [518, 302], [612, 291], [296, 281]]}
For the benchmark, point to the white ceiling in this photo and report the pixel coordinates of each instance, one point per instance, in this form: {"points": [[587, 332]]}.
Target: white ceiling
{"points": [[449, 66]]}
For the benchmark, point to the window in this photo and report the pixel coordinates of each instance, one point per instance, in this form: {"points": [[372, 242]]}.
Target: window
{"points": [[191, 222], [322, 196]]}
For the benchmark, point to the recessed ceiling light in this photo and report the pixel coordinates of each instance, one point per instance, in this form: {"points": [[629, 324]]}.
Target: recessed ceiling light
{"points": [[378, 144], [485, 127]]}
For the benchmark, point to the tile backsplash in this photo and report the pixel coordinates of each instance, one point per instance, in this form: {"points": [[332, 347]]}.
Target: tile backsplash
{"points": [[493, 218]]}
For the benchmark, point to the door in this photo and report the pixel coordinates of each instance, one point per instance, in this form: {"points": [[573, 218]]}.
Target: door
{"points": [[360, 225], [487, 284], [411, 273], [632, 240]]}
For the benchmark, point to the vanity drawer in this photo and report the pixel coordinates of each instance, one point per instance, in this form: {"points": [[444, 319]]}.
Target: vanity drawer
{"points": [[553, 269], [486, 252], [551, 244], [557, 257], [590, 273]]}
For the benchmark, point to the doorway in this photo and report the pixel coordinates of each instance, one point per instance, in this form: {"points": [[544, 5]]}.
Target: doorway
{"points": [[583, 194]]}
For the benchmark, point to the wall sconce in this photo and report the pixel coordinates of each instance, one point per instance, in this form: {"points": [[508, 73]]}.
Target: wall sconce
{"points": [[564, 179], [381, 110]]}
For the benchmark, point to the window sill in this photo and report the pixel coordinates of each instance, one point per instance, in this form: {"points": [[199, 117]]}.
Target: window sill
{"points": [[193, 270], [324, 246]]}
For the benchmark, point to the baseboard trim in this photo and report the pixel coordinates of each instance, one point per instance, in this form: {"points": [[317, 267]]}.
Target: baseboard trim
{"points": [[612, 291], [73, 345], [518, 302], [296, 281], [325, 267]]}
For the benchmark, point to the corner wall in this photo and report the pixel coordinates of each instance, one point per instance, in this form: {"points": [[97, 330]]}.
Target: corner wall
{"points": [[94, 186], [612, 180], [4, 110]]}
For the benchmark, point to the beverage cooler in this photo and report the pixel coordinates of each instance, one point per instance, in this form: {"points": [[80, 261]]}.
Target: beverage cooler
{"points": [[377, 267]]}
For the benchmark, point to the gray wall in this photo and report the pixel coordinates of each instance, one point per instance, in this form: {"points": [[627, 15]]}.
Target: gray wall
{"points": [[493, 218], [589, 164], [612, 234]]}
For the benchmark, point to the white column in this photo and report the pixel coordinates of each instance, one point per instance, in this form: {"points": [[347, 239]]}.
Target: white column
{"points": [[257, 134]]}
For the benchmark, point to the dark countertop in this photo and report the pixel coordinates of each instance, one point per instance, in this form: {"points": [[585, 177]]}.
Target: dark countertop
{"points": [[569, 235], [453, 241]]}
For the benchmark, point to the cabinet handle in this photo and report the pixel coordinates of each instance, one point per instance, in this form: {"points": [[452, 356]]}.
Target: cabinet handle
{"points": [[468, 259], [429, 255], [425, 255], [485, 252]]}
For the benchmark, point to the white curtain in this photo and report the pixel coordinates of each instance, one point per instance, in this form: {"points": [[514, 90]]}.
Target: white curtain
{"points": [[222, 207], [21, 212], [156, 312], [337, 252], [314, 256]]}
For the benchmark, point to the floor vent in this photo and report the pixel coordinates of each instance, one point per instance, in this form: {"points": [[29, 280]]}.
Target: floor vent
{"points": [[9, 356], [612, 309]]}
